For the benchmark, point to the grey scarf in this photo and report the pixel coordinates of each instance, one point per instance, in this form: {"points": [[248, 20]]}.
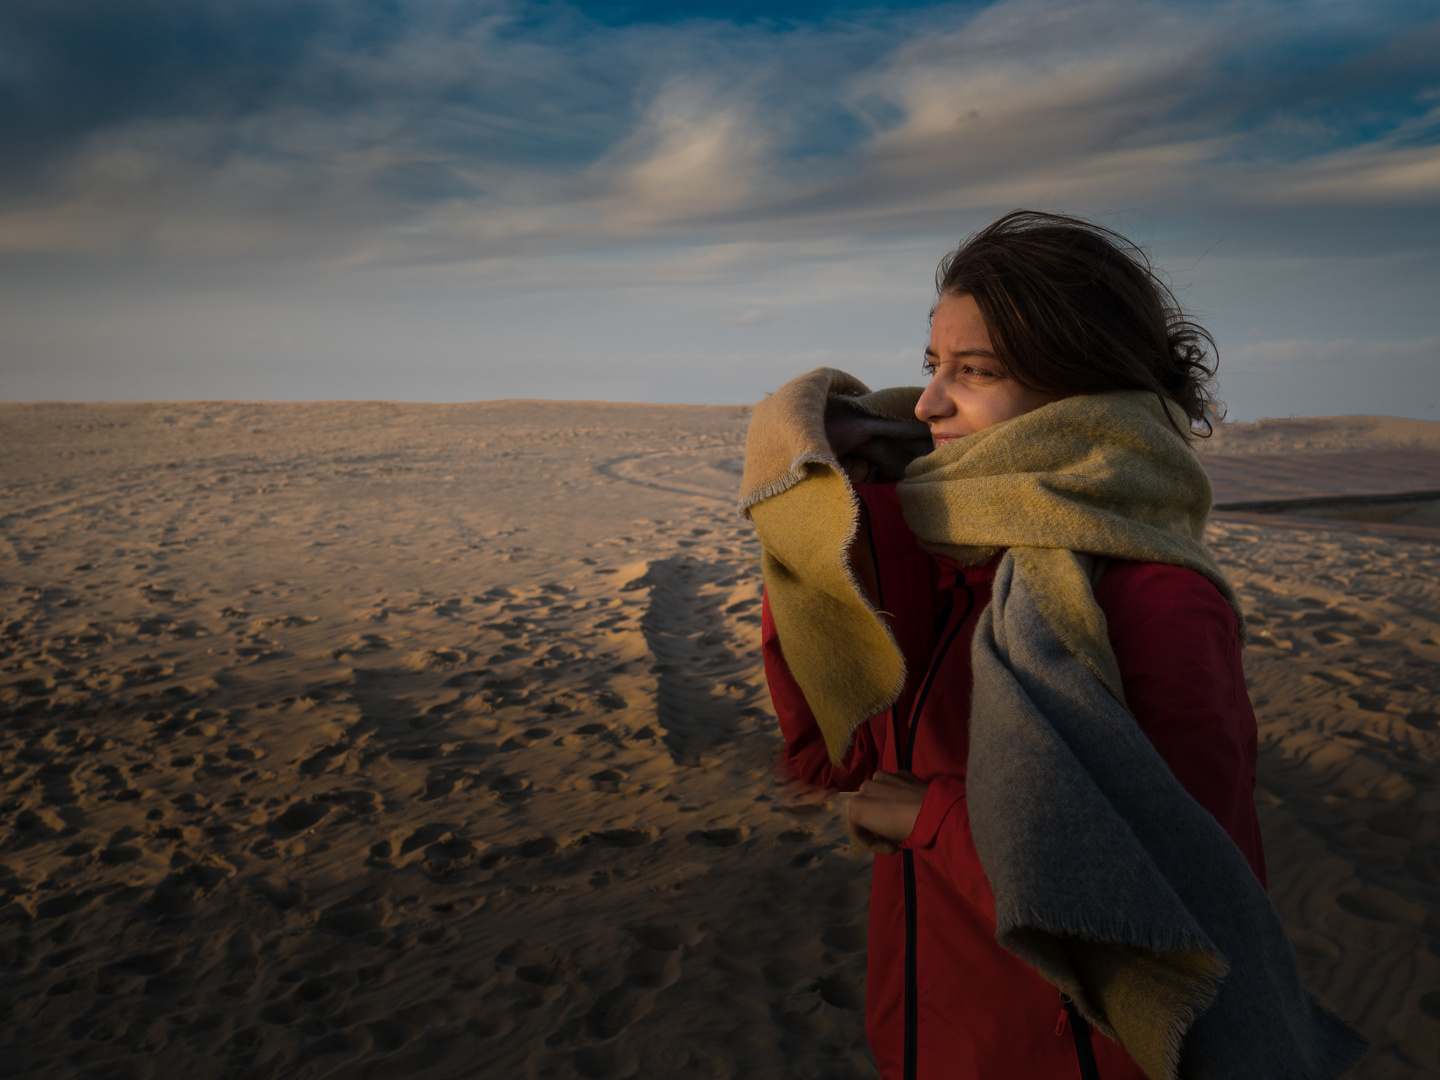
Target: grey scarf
{"points": [[1117, 881]]}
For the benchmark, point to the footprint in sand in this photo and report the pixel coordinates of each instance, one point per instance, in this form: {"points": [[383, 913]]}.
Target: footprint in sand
{"points": [[804, 1013], [283, 621], [608, 780], [364, 913], [436, 659], [604, 1062], [257, 649], [617, 1009], [360, 644], [300, 817], [1423, 721], [1398, 824], [1373, 703], [1379, 905], [721, 838], [653, 969]]}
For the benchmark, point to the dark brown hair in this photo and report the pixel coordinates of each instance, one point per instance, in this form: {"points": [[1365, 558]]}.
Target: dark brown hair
{"points": [[1075, 308]]}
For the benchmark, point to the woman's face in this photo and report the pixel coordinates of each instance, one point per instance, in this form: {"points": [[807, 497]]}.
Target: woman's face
{"points": [[968, 389]]}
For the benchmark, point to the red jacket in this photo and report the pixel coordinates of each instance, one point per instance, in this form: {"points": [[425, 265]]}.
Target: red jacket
{"points": [[972, 1009]]}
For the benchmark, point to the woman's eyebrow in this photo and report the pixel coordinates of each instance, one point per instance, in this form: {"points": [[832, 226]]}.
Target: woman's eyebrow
{"points": [[963, 354]]}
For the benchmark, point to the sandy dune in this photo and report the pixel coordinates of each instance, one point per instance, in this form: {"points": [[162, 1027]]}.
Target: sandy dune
{"points": [[378, 740]]}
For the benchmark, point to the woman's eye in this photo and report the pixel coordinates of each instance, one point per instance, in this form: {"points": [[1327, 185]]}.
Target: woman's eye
{"points": [[970, 371]]}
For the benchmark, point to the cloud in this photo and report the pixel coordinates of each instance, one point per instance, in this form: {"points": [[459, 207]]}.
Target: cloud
{"points": [[1308, 352], [690, 156], [1377, 174], [1118, 103], [430, 130]]}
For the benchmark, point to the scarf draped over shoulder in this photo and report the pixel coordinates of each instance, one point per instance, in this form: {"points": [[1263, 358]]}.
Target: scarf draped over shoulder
{"points": [[1103, 475]]}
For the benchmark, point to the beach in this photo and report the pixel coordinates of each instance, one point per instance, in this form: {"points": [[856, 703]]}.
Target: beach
{"points": [[371, 739]]}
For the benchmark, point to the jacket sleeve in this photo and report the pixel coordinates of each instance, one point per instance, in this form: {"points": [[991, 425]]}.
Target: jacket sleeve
{"points": [[904, 574], [805, 754]]}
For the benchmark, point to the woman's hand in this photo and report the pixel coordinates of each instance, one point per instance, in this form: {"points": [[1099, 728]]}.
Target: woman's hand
{"points": [[872, 450], [849, 437], [883, 812]]}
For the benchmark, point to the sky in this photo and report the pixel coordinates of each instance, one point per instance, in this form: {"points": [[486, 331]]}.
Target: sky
{"points": [[446, 200]]}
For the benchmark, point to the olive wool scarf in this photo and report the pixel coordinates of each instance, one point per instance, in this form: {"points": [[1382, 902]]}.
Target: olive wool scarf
{"points": [[1108, 877]]}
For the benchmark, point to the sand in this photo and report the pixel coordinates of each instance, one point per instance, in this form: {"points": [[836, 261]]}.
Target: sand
{"points": [[354, 740]]}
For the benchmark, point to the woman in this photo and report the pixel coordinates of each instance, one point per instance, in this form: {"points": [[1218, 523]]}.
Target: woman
{"points": [[1024, 662]]}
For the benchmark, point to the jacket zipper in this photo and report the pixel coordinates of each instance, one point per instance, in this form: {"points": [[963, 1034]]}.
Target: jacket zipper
{"points": [[904, 753], [1080, 1029]]}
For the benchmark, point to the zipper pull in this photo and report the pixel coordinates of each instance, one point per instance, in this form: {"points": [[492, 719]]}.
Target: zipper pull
{"points": [[1064, 1019]]}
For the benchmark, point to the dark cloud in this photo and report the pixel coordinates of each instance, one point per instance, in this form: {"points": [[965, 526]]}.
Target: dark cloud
{"points": [[74, 68], [390, 106], [466, 79], [1297, 86], [740, 12]]}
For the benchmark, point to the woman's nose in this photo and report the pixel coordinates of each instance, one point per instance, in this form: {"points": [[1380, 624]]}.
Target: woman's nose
{"points": [[933, 404]]}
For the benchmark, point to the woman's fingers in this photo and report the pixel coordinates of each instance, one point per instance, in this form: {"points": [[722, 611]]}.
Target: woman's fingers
{"points": [[862, 839], [865, 840], [886, 807]]}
